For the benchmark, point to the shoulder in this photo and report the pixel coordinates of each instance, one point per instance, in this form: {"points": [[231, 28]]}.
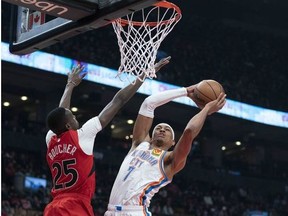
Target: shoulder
{"points": [[93, 126], [141, 146], [49, 136]]}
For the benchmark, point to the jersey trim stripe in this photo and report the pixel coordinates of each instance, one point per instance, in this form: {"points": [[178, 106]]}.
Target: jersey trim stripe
{"points": [[151, 187], [161, 165], [154, 185], [146, 212]]}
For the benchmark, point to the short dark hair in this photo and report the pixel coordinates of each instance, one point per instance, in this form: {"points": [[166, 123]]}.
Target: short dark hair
{"points": [[56, 120]]}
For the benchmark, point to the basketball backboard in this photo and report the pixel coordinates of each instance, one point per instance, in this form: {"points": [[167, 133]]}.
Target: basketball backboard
{"points": [[38, 24]]}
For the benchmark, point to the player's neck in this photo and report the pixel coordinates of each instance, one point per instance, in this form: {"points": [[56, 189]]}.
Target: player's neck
{"points": [[155, 144]]}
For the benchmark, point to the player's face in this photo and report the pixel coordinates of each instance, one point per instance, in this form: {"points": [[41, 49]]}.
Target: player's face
{"points": [[163, 136], [71, 120]]}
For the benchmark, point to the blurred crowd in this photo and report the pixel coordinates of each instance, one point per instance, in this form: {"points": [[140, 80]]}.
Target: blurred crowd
{"points": [[15, 201], [183, 197], [250, 65]]}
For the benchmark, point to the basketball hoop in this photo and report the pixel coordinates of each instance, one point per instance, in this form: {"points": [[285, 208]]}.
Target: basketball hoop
{"points": [[139, 36]]}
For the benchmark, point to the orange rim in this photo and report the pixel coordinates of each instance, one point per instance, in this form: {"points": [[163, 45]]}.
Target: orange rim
{"points": [[163, 4]]}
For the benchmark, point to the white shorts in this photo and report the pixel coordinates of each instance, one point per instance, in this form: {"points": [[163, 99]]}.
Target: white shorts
{"points": [[119, 210]]}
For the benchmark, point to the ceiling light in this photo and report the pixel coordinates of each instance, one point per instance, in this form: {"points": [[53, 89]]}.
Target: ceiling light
{"points": [[238, 143], [74, 109], [112, 126], [131, 136], [24, 98], [223, 148], [126, 137], [130, 121], [195, 142], [6, 104]]}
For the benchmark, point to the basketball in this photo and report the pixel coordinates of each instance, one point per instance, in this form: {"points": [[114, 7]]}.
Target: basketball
{"points": [[207, 90]]}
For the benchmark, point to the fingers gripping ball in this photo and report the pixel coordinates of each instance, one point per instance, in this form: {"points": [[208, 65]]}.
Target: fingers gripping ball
{"points": [[207, 90]]}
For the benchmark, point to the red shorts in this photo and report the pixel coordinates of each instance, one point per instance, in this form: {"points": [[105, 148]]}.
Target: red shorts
{"points": [[71, 204]]}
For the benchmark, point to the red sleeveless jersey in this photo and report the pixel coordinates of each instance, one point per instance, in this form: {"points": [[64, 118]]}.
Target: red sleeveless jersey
{"points": [[72, 170]]}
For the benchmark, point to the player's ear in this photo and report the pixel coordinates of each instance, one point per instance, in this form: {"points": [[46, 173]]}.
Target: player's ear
{"points": [[68, 126], [173, 142]]}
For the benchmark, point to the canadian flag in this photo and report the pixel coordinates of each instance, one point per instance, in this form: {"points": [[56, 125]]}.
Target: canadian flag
{"points": [[36, 19]]}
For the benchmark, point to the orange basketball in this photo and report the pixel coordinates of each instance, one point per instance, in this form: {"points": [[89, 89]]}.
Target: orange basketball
{"points": [[207, 90]]}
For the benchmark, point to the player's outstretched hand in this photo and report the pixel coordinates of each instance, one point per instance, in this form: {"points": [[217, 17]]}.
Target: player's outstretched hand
{"points": [[216, 105], [74, 77], [161, 63]]}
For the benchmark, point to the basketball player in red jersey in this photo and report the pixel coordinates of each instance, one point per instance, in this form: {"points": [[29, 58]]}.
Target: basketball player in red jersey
{"points": [[70, 149]]}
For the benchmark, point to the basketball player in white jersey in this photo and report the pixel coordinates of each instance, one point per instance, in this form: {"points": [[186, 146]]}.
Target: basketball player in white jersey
{"points": [[149, 165]]}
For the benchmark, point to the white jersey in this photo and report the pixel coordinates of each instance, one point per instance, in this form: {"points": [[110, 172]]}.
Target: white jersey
{"points": [[141, 175], [86, 135]]}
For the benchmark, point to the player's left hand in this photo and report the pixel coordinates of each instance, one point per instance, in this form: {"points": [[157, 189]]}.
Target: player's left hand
{"points": [[216, 105], [161, 63], [74, 77]]}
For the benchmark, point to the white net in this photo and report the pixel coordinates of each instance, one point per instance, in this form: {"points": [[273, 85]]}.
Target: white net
{"points": [[139, 36]]}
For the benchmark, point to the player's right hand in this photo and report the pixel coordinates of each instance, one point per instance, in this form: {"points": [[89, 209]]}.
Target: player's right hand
{"points": [[191, 95]]}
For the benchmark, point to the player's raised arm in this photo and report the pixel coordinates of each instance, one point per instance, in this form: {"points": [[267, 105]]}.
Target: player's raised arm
{"points": [[74, 79], [179, 155], [146, 113], [123, 95]]}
